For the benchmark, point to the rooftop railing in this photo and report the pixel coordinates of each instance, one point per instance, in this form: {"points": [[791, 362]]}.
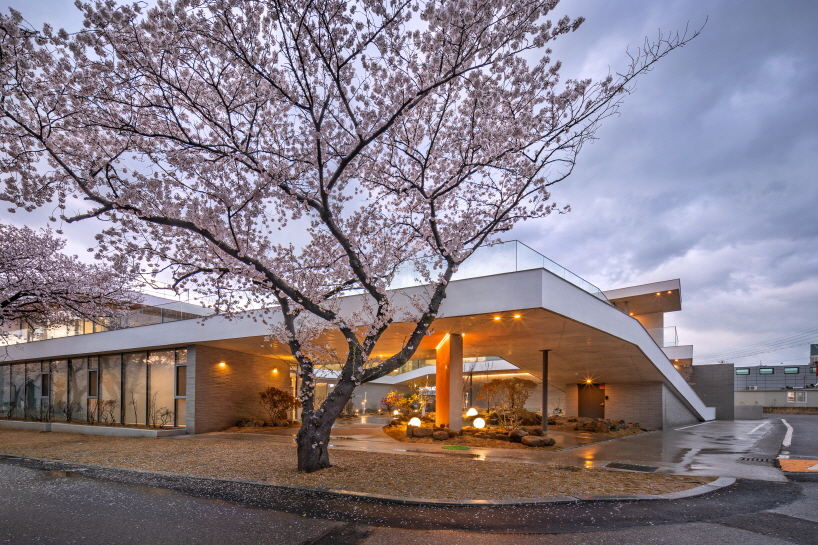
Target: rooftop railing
{"points": [[665, 336], [148, 315], [506, 257]]}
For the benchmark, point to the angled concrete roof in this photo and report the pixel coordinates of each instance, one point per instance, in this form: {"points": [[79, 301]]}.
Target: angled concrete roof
{"points": [[650, 298], [513, 316]]}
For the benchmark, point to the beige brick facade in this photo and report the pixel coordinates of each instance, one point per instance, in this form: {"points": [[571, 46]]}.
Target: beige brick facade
{"points": [[220, 396]]}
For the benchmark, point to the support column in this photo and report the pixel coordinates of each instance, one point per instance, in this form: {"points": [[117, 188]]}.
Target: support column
{"points": [[449, 389], [545, 390]]}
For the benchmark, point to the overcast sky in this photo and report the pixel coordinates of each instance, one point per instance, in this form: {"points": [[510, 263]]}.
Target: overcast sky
{"points": [[707, 176]]}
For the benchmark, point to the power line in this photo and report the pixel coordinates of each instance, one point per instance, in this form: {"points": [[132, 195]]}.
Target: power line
{"points": [[790, 341]]}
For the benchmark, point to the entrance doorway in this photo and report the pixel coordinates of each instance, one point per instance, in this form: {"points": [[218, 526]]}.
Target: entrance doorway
{"points": [[591, 401]]}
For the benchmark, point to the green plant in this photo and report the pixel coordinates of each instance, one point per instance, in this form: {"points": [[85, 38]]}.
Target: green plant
{"points": [[507, 397], [277, 402]]}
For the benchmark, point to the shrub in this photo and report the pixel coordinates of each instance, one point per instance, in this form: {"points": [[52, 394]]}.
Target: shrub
{"points": [[507, 397], [277, 402]]}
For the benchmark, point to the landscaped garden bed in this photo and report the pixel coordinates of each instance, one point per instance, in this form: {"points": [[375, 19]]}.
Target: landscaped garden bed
{"points": [[450, 477], [525, 437]]}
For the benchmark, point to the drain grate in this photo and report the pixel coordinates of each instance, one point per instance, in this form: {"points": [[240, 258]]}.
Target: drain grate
{"points": [[758, 460], [632, 467]]}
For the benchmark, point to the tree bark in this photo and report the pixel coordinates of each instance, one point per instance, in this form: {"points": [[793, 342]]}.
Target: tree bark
{"points": [[314, 435]]}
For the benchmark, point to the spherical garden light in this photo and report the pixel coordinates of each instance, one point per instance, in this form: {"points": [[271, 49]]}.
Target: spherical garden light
{"points": [[479, 423], [471, 412], [396, 412], [415, 422]]}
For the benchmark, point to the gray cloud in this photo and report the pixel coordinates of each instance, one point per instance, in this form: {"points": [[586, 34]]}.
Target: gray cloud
{"points": [[708, 174]]}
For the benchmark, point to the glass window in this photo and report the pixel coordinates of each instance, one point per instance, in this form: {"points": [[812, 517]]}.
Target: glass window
{"points": [[17, 396], [161, 375], [136, 388], [181, 355], [766, 371], [742, 371], [796, 397], [110, 375], [78, 387], [32, 408], [5, 390], [181, 381], [93, 383], [181, 413], [45, 382], [59, 389], [791, 370]]}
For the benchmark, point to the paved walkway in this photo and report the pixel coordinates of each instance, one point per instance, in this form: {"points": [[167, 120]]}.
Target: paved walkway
{"points": [[743, 449]]}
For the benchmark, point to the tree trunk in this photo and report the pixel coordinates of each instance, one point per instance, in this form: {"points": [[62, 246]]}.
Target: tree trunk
{"points": [[313, 437]]}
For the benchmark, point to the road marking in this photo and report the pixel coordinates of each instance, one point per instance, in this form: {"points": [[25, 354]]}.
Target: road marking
{"points": [[798, 466], [754, 429], [788, 437], [693, 426]]}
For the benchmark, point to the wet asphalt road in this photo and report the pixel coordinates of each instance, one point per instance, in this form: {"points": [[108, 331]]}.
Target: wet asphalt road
{"points": [[44, 503]]}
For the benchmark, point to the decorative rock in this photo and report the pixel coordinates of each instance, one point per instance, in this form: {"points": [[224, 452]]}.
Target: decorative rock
{"points": [[516, 435], [453, 433], [423, 432], [602, 427], [501, 436], [440, 435], [283, 423], [395, 423], [535, 441], [537, 431], [410, 431]]}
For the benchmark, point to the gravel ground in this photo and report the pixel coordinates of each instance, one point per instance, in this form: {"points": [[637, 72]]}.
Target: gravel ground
{"points": [[446, 477]]}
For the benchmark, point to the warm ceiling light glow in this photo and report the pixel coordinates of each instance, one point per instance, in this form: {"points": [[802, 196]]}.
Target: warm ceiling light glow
{"points": [[222, 364], [588, 381], [275, 371], [517, 316], [442, 341], [675, 360], [657, 293], [668, 291], [496, 318], [630, 314], [415, 422], [471, 412], [479, 423]]}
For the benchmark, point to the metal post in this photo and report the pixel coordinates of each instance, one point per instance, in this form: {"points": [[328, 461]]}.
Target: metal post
{"points": [[545, 390]]}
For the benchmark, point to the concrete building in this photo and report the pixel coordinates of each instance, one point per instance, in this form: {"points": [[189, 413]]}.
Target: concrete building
{"points": [[778, 385], [600, 354]]}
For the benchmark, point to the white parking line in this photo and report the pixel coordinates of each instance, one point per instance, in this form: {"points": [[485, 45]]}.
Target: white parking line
{"points": [[759, 426], [693, 426], [788, 437]]}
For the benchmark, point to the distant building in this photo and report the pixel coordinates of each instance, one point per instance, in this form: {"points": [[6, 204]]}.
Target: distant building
{"points": [[778, 385]]}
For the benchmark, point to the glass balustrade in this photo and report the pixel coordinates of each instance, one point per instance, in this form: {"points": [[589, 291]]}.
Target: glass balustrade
{"points": [[665, 336]]}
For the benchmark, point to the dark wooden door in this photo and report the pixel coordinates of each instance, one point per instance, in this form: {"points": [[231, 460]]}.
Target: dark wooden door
{"points": [[591, 401]]}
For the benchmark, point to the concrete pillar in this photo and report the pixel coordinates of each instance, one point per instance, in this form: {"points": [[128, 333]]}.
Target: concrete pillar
{"points": [[449, 390], [545, 390]]}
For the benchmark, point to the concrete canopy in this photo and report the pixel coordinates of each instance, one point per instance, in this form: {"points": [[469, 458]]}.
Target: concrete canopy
{"points": [[651, 298], [588, 338]]}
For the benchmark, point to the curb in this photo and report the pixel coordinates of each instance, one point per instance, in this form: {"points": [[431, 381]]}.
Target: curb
{"points": [[719, 483]]}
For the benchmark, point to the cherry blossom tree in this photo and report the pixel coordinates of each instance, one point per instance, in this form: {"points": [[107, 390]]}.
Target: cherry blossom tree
{"points": [[41, 287], [285, 153]]}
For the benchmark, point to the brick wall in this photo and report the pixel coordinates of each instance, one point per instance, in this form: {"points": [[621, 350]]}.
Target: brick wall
{"points": [[714, 385], [221, 396], [640, 402], [571, 400], [675, 412]]}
